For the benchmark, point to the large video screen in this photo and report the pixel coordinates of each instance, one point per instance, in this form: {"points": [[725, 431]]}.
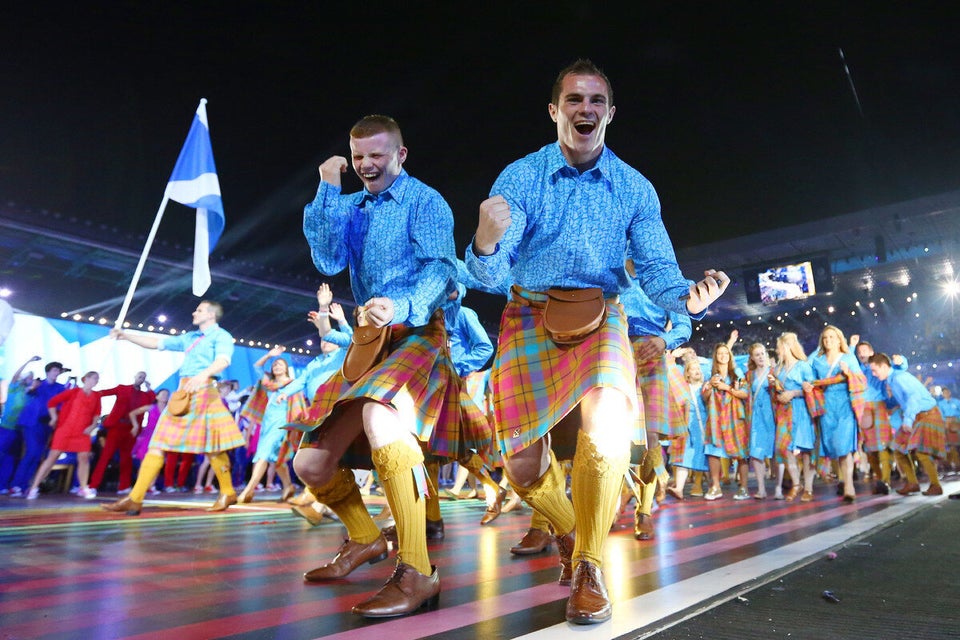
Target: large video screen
{"points": [[787, 282]]}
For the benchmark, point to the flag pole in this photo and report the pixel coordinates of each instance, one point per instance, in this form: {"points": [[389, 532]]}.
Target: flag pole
{"points": [[143, 260]]}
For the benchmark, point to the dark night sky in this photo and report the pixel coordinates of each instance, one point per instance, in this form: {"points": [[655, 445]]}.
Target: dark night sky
{"points": [[739, 113]]}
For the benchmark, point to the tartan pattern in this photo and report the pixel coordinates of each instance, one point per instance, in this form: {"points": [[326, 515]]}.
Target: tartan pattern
{"points": [[783, 440], [676, 448], [536, 383], [652, 389], [289, 447], [417, 379], [676, 383], [953, 435], [727, 425], [208, 427], [928, 435], [875, 428]]}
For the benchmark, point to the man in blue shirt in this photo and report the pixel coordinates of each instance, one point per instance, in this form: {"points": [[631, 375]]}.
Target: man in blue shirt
{"points": [[561, 218], [396, 237], [34, 421], [923, 432], [208, 426]]}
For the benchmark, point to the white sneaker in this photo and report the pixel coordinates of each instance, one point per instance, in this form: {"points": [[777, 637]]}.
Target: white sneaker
{"points": [[741, 494], [33, 494], [16, 492], [169, 489], [153, 491], [88, 494], [123, 492]]}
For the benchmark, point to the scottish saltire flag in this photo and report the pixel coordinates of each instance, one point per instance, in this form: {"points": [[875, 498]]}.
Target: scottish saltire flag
{"points": [[194, 183]]}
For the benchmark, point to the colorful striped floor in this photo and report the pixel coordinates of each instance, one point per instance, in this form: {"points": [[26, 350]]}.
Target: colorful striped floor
{"points": [[70, 570]]}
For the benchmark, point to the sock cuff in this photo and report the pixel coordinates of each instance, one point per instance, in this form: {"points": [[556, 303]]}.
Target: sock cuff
{"points": [[396, 458], [340, 487], [599, 465]]}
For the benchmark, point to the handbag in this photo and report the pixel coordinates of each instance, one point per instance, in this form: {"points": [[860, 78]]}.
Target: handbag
{"points": [[179, 403], [571, 315], [368, 347]]}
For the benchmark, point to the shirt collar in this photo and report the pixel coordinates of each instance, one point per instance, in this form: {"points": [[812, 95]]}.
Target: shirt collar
{"points": [[396, 191], [557, 163], [208, 330]]}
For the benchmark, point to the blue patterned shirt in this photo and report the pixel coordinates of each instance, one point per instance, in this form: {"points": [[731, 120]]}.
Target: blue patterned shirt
{"points": [[647, 319], [398, 244], [571, 229], [470, 346], [910, 394], [201, 348]]}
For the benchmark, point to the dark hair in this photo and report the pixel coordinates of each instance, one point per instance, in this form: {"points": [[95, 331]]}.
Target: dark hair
{"points": [[582, 67], [879, 358], [373, 124], [864, 343]]}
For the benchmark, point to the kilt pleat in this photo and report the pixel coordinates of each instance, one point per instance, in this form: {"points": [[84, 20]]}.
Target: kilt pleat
{"points": [[208, 427]]}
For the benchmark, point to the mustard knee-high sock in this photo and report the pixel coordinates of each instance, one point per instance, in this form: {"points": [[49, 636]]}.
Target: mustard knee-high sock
{"points": [[149, 470], [538, 521], [647, 494], [905, 464], [474, 464], [220, 463], [725, 469], [596, 489], [884, 457], [929, 467], [432, 506], [342, 495], [873, 457], [548, 496], [395, 463]]}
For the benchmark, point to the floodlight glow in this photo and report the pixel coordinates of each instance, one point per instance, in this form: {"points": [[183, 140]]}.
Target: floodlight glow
{"points": [[5, 293]]}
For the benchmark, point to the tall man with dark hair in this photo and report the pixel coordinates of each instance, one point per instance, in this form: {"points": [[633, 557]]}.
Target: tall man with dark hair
{"points": [[561, 218], [396, 237], [207, 426]]}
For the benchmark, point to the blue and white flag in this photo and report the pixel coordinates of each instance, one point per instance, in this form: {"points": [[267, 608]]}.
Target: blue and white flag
{"points": [[194, 183]]}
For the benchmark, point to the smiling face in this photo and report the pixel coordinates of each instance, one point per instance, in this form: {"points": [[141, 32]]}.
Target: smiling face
{"points": [[279, 367], [830, 340], [378, 160], [582, 113]]}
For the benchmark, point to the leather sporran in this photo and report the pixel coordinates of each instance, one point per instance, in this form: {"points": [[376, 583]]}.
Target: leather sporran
{"points": [[179, 403], [571, 315], [368, 347]]}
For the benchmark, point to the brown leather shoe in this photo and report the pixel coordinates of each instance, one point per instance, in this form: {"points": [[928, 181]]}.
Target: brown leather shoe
{"points": [[350, 556], [224, 501], [406, 591], [588, 602], [493, 511], [642, 526], [125, 505], [434, 531], [934, 490], [908, 488], [565, 547], [308, 513], [534, 541]]}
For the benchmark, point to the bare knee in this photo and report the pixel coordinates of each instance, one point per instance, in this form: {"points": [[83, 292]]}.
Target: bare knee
{"points": [[525, 467], [314, 467]]}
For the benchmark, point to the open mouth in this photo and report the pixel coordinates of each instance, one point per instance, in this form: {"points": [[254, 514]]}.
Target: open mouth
{"points": [[370, 176], [585, 128]]}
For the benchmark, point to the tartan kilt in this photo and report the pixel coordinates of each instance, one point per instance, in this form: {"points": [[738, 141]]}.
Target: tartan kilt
{"points": [[676, 448], [927, 436], [875, 427], [419, 381], [783, 438], [208, 427], [537, 383], [678, 410], [953, 431], [653, 388]]}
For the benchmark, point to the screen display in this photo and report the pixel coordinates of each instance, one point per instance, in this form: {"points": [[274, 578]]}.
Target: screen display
{"points": [[787, 282]]}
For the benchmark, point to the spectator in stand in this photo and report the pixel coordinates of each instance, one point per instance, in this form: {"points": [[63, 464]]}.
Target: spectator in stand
{"points": [[80, 409], [120, 432]]}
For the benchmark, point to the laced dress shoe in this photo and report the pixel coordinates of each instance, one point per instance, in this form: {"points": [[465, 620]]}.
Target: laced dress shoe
{"points": [[642, 526], [308, 513], [908, 488], [934, 490], [124, 505], [350, 556], [405, 592], [534, 541], [223, 502], [493, 511], [588, 602], [565, 547]]}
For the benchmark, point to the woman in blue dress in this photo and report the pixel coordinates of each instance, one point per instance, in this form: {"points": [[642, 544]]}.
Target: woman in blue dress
{"points": [[834, 367], [762, 424], [687, 451], [796, 435], [269, 407]]}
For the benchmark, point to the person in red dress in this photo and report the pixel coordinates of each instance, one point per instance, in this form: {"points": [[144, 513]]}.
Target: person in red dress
{"points": [[80, 410]]}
